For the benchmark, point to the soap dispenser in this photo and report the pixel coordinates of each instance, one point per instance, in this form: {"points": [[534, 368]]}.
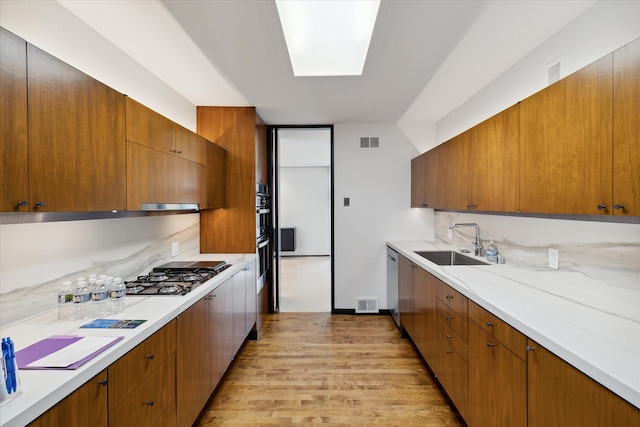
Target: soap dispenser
{"points": [[492, 252]]}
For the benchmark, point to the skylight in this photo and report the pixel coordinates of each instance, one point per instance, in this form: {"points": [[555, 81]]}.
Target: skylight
{"points": [[327, 37]]}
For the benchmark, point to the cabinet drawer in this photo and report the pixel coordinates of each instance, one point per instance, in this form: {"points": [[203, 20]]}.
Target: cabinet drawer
{"points": [[508, 336], [454, 340], [452, 298], [147, 402], [457, 324], [169, 418], [453, 374], [130, 370]]}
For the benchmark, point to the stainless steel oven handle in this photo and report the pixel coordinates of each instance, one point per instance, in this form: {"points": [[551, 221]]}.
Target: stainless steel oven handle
{"points": [[262, 211], [263, 243]]}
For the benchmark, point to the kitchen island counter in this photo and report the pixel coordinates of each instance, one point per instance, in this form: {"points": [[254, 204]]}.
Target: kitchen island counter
{"points": [[42, 389], [590, 324]]}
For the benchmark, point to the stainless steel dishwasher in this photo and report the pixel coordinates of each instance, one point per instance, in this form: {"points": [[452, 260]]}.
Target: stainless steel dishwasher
{"points": [[392, 284]]}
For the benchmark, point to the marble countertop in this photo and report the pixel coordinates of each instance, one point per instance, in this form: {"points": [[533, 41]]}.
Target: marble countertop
{"points": [[44, 388], [593, 326]]}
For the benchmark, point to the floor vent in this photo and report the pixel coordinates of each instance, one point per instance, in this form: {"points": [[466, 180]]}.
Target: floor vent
{"points": [[367, 305]]}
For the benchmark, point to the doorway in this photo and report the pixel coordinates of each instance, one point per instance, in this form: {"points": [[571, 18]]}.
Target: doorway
{"points": [[303, 218]]}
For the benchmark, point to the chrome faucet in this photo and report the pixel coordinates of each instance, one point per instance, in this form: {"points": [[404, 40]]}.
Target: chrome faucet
{"points": [[476, 244]]}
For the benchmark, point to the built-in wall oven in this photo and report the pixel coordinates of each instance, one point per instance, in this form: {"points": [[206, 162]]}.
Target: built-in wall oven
{"points": [[263, 231]]}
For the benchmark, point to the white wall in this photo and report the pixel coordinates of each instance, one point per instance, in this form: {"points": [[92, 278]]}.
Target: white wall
{"points": [[305, 195], [603, 28], [378, 184]]}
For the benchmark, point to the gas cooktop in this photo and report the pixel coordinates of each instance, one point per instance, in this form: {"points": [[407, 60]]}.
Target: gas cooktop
{"points": [[175, 278]]}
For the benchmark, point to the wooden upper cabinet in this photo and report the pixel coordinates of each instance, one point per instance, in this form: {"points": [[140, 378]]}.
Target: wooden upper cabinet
{"points": [[456, 177], [426, 179], [494, 163], [262, 168], [216, 176], [14, 148], [566, 144], [148, 128], [626, 130], [189, 145], [76, 139]]}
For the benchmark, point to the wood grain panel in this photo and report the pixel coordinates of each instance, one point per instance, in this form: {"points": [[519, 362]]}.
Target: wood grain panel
{"points": [[418, 179], [190, 146], [453, 374], [233, 229], [503, 332], [406, 292], [452, 298], [425, 313], [76, 138], [560, 395], [448, 319], [148, 401], [494, 163], [456, 180], [216, 176], [148, 128], [14, 148], [138, 364], [626, 129], [497, 382], [566, 144], [87, 406]]}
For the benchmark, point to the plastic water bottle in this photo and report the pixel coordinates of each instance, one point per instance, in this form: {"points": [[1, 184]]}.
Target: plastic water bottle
{"points": [[81, 299], [65, 301], [117, 292], [99, 298]]}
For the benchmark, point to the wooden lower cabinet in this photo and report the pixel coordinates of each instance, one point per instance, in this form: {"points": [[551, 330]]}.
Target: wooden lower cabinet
{"points": [[142, 382], [560, 395], [73, 412], [497, 381], [406, 295], [424, 289]]}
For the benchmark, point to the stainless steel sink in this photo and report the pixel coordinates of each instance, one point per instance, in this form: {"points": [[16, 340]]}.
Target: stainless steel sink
{"points": [[449, 258]]}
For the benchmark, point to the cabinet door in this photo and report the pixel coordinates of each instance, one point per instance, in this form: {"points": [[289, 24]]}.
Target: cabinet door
{"points": [[626, 129], [222, 321], [190, 146], [87, 406], [425, 314], [252, 298], [262, 158], [150, 129], [76, 139], [560, 395], [497, 382], [14, 148], [456, 179], [494, 163], [406, 294], [452, 372], [194, 367], [566, 144], [418, 180], [239, 309], [216, 176]]}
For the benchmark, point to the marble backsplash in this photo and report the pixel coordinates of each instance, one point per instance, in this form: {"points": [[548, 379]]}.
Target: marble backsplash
{"points": [[36, 258], [607, 252]]}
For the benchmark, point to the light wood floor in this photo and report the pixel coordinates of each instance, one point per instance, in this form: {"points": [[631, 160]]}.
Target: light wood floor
{"points": [[318, 368]]}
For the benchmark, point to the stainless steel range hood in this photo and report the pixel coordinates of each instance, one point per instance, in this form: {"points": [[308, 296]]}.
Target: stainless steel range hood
{"points": [[170, 206]]}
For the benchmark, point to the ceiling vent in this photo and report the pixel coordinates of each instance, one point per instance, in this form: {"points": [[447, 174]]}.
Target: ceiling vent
{"points": [[369, 142], [367, 305]]}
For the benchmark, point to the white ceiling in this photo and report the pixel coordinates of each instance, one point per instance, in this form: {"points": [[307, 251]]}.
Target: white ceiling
{"points": [[425, 59]]}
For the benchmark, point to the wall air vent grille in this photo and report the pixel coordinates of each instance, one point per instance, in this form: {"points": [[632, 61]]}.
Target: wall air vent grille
{"points": [[369, 142], [367, 305]]}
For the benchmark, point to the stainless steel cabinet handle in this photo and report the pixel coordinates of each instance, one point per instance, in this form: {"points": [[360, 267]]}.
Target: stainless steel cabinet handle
{"points": [[150, 356], [22, 203], [618, 207], [490, 324], [449, 317], [449, 336], [490, 344], [103, 382], [602, 207], [449, 351], [40, 203], [150, 403], [179, 152], [530, 348]]}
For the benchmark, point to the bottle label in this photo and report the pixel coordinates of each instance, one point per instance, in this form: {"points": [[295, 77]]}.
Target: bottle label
{"points": [[64, 299], [120, 293], [79, 299], [99, 296]]}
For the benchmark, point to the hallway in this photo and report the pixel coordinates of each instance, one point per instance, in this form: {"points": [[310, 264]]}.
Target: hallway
{"points": [[318, 368]]}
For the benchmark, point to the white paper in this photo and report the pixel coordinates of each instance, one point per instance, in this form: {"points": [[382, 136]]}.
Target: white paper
{"points": [[73, 352]]}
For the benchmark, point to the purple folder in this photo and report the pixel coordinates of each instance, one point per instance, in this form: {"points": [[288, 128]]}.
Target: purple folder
{"points": [[52, 344]]}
